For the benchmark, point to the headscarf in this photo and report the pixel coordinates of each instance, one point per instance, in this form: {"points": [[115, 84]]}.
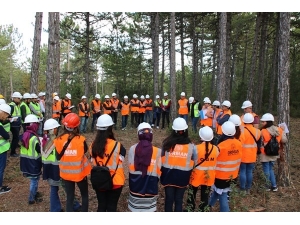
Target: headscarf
{"points": [[31, 129], [143, 151]]}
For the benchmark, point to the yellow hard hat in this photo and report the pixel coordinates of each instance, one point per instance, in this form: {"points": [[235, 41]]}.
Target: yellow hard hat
{"points": [[1, 96]]}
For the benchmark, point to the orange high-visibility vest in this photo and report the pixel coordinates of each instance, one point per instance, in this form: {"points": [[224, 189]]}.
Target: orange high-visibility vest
{"points": [[266, 136], [229, 159], [115, 103], [97, 106], [56, 108], [183, 108], [249, 151], [74, 165], [219, 127], [149, 104], [204, 174], [216, 114], [142, 108], [125, 109], [106, 105], [134, 109], [119, 178], [242, 116], [207, 121], [80, 113], [66, 103]]}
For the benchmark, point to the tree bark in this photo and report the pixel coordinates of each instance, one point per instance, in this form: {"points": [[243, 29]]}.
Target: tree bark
{"points": [[173, 69], [57, 54], [228, 55], [87, 54], [155, 49], [183, 80], [163, 61], [36, 53]]}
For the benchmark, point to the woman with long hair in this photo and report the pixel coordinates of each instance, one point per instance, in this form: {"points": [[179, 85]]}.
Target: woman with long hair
{"points": [[103, 145]]}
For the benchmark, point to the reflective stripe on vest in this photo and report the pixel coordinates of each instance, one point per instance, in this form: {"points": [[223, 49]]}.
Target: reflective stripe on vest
{"points": [[125, 109], [107, 105], [87, 108], [7, 127], [96, 105], [66, 103], [142, 108], [134, 108], [165, 102], [219, 127], [37, 108], [17, 112], [56, 108], [115, 103], [183, 109], [30, 153], [196, 110], [4, 144], [27, 109], [149, 102]]}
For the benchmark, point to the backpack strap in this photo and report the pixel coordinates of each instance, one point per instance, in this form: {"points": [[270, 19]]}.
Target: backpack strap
{"points": [[205, 157], [64, 148]]}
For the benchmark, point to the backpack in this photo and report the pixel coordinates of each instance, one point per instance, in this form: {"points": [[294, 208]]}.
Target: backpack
{"points": [[100, 175], [272, 147]]}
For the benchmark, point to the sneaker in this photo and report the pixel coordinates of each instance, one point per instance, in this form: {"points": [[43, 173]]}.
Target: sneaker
{"points": [[123, 128], [268, 189], [157, 127], [4, 190], [152, 125], [274, 189]]}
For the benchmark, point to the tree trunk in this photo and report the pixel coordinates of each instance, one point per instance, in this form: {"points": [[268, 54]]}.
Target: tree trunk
{"points": [[214, 66], [57, 54], [245, 59], [284, 93], [199, 93], [222, 58], [162, 62], [87, 54], [183, 81], [228, 55], [195, 58], [155, 49], [173, 69], [36, 53]]}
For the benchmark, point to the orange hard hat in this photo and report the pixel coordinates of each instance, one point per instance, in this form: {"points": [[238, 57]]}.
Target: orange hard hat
{"points": [[71, 120]]}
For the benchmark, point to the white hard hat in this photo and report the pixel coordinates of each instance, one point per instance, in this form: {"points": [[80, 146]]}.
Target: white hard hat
{"points": [[142, 97], [2, 101], [228, 128], [16, 95], [206, 133], [248, 118], [134, 96], [267, 117], [42, 94], [165, 94], [26, 96], [56, 98], [104, 121], [191, 99], [125, 96], [68, 96], [51, 124], [83, 97], [142, 126], [179, 124], [216, 103], [31, 118], [226, 103], [182, 94], [97, 96], [147, 96], [206, 100], [157, 96], [5, 108], [33, 95], [246, 104], [235, 119], [113, 94], [106, 96]]}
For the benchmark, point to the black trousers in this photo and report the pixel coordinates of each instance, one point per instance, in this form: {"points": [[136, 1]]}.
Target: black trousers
{"points": [[114, 116], [191, 198], [108, 200], [15, 131], [165, 116], [134, 119]]}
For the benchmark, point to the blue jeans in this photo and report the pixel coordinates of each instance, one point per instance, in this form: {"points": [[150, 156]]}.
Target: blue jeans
{"points": [[34, 184], [124, 121], [156, 118], [224, 206], [3, 158], [55, 205], [246, 175], [148, 117], [40, 129], [194, 123], [174, 195], [83, 124], [269, 173], [184, 117]]}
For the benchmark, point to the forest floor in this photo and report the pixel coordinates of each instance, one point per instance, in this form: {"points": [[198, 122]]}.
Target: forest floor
{"points": [[285, 200]]}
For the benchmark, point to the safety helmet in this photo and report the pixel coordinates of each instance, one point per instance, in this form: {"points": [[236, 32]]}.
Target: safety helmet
{"points": [[206, 133], [83, 97], [206, 100], [71, 120], [113, 94], [142, 126], [51, 124], [126, 97], [1, 96], [5, 108], [267, 117], [106, 96], [182, 94], [41, 94], [134, 96], [142, 97], [246, 104], [147, 96], [97, 96], [33, 95], [226, 103], [216, 103], [165, 94], [179, 124], [68, 96], [228, 128], [157, 96], [2, 101], [104, 121], [235, 119], [16, 95], [27, 96], [56, 98], [248, 118], [191, 99], [31, 118]]}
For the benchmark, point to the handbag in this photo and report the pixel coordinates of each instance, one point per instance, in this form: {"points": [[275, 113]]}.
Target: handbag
{"points": [[257, 142]]}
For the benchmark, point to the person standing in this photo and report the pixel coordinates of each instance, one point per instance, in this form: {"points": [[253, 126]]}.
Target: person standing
{"points": [[66, 105], [157, 109], [183, 110], [178, 159], [149, 110], [125, 108], [56, 108], [223, 117], [41, 101], [166, 106], [142, 109], [30, 158], [134, 110], [96, 110], [107, 106], [144, 162], [203, 174], [247, 107], [15, 122], [84, 114], [5, 111], [206, 113], [115, 102], [25, 108], [195, 108], [36, 110], [216, 111], [103, 145], [74, 166]]}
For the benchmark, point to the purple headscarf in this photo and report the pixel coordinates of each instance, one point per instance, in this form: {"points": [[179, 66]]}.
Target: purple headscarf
{"points": [[143, 152], [31, 129]]}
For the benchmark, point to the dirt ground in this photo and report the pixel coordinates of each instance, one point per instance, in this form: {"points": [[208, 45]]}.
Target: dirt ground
{"points": [[285, 200]]}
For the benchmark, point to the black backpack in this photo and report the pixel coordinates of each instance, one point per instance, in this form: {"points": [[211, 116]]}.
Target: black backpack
{"points": [[272, 147], [100, 175]]}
